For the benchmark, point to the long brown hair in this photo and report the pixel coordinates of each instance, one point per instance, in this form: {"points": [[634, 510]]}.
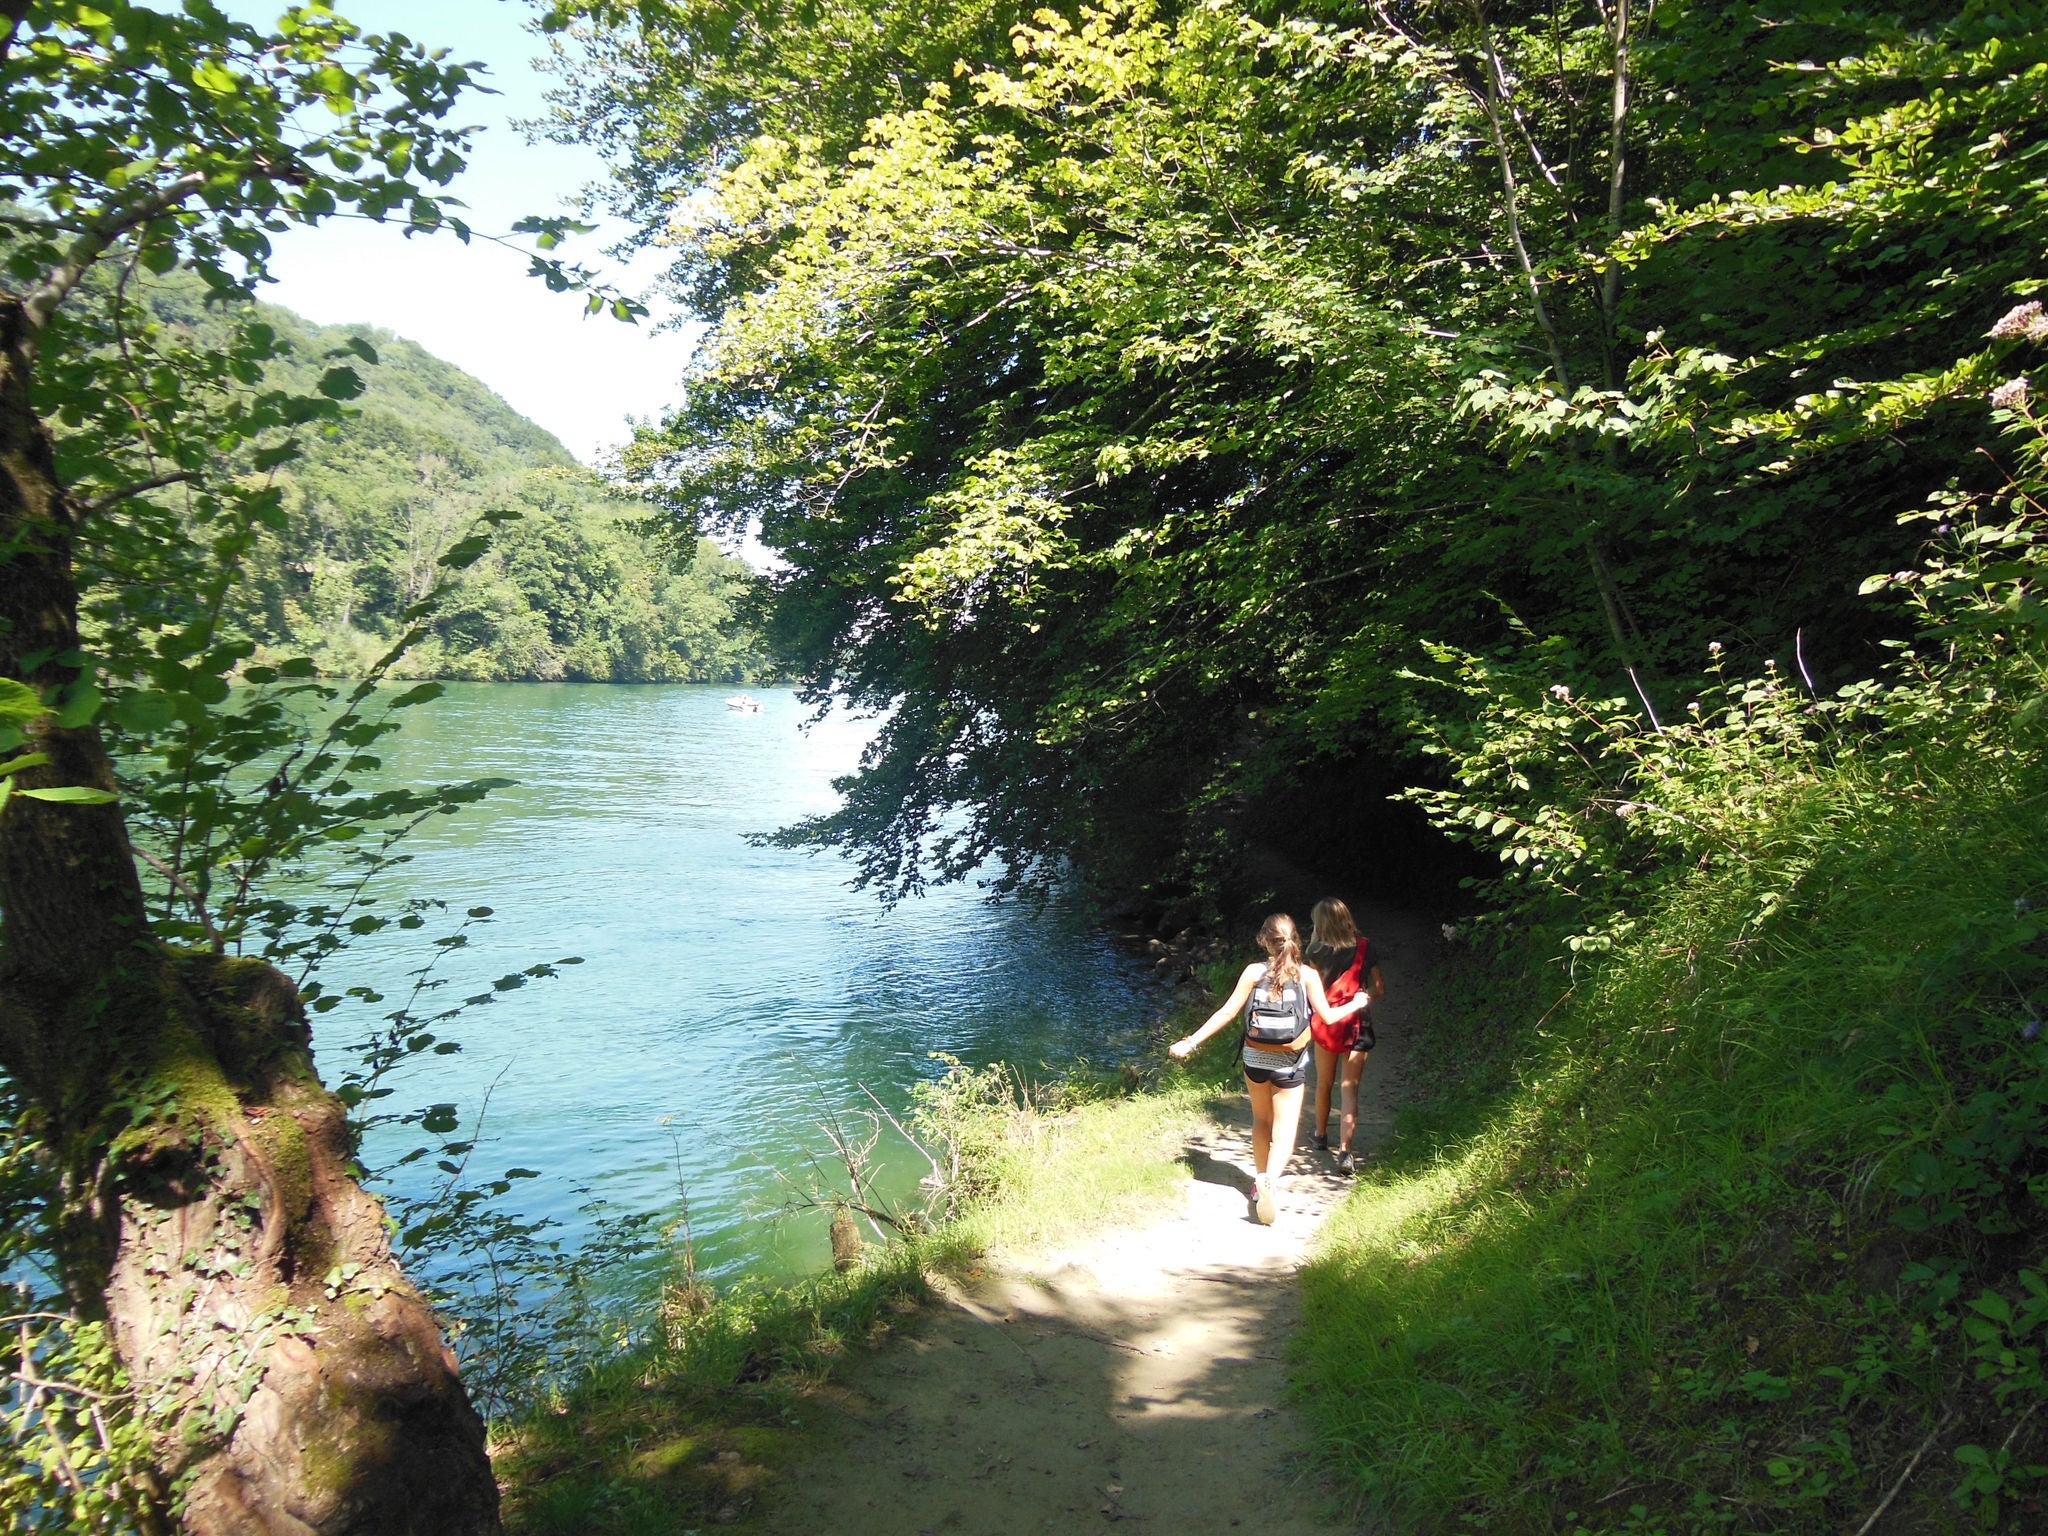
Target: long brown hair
{"points": [[1282, 944], [1330, 925]]}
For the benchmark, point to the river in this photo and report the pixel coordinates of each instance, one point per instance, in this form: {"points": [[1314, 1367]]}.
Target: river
{"points": [[729, 994]]}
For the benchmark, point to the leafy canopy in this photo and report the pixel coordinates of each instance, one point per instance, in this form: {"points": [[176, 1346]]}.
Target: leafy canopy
{"points": [[1132, 389]]}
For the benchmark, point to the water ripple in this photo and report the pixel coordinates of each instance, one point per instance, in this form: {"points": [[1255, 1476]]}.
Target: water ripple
{"points": [[742, 990]]}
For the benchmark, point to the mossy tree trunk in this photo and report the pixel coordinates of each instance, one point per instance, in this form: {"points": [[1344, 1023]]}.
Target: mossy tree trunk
{"points": [[209, 1211]]}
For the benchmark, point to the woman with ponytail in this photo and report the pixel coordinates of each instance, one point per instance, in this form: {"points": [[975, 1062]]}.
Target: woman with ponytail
{"points": [[1276, 1001]]}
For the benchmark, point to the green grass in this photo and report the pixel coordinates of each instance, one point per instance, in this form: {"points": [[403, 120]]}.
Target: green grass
{"points": [[1707, 1250], [692, 1430]]}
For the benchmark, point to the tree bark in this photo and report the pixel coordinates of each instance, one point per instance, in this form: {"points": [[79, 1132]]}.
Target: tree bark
{"points": [[294, 1380]]}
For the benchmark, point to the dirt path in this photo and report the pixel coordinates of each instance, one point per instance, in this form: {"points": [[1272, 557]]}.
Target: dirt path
{"points": [[1138, 1375]]}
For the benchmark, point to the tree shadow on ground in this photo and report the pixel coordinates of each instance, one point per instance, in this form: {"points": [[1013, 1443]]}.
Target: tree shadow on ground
{"points": [[1140, 1377]]}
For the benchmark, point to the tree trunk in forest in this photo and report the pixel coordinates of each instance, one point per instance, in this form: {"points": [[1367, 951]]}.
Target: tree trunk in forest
{"points": [[296, 1383]]}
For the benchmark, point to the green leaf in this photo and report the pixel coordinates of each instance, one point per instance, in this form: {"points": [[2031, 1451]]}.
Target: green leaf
{"points": [[1993, 1305], [19, 702], [215, 79], [466, 552], [72, 794], [207, 688], [439, 1118], [79, 707], [340, 384], [143, 712]]}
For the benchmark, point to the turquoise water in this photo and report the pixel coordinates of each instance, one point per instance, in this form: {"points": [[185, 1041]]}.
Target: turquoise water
{"points": [[738, 993]]}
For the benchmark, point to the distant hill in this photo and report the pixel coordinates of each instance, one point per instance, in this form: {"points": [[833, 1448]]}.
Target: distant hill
{"points": [[568, 591]]}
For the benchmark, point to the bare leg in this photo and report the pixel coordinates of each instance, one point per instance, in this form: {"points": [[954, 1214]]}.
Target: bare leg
{"points": [[1286, 1113], [1354, 1069], [1262, 1122], [1326, 1077]]}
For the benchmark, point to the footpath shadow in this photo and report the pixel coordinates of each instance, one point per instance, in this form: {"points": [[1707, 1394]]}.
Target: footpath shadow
{"points": [[1139, 1378], [1139, 1375]]}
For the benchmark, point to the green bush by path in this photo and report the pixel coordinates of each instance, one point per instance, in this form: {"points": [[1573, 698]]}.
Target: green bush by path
{"points": [[1755, 1213]]}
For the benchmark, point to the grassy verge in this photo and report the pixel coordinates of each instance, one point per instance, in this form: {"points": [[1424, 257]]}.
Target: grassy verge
{"points": [[690, 1429], [1741, 1223]]}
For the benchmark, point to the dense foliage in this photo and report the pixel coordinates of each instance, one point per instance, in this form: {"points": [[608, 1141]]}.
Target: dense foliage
{"points": [[569, 589], [1747, 1232], [1133, 388]]}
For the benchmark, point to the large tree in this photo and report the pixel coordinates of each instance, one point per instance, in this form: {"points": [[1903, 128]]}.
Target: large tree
{"points": [[206, 1201]]}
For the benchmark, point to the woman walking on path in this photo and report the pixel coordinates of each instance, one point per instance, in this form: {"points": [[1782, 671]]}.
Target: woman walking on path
{"points": [[1274, 1001], [1342, 958]]}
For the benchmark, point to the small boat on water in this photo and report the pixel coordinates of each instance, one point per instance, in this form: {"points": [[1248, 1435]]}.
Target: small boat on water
{"points": [[743, 704]]}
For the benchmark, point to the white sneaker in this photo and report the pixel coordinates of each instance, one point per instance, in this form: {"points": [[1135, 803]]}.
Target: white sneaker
{"points": [[1263, 1206]]}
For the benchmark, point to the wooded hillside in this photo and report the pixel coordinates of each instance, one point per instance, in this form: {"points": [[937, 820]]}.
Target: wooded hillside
{"points": [[569, 589]]}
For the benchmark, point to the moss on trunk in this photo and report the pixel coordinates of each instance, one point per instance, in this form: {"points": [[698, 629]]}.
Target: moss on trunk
{"points": [[296, 1380], [209, 1209]]}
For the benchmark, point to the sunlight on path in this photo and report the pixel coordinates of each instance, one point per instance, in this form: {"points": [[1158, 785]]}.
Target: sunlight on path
{"points": [[1138, 1376]]}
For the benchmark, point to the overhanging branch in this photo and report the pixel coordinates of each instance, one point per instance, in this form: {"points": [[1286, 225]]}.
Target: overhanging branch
{"points": [[101, 503], [103, 232]]}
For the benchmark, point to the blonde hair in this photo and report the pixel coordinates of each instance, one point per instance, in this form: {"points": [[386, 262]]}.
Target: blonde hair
{"points": [[1330, 925], [1281, 941]]}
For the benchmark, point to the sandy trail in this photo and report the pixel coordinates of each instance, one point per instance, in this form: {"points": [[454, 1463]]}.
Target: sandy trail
{"points": [[1137, 1375]]}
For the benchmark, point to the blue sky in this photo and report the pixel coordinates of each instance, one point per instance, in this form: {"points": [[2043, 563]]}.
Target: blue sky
{"points": [[580, 377]]}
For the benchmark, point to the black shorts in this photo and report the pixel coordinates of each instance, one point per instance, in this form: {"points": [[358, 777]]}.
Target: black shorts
{"points": [[1295, 1076]]}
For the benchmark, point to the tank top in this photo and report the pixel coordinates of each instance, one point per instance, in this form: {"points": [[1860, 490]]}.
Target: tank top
{"points": [[1332, 964]]}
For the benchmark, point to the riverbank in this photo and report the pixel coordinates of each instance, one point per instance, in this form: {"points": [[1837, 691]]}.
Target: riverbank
{"points": [[1741, 1223], [699, 1425], [1102, 1254]]}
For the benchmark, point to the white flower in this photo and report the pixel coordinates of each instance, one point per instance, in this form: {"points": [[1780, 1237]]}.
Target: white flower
{"points": [[1558, 690], [2025, 320], [1713, 647], [2011, 395]]}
